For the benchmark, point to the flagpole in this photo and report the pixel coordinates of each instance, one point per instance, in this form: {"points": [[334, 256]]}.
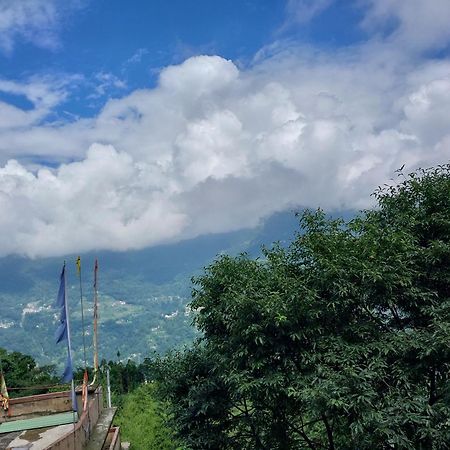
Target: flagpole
{"points": [[82, 312], [85, 375], [63, 333], [69, 348], [69, 343], [72, 388], [95, 337]]}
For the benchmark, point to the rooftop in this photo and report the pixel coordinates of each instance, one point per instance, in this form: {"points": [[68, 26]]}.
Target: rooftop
{"points": [[46, 421]]}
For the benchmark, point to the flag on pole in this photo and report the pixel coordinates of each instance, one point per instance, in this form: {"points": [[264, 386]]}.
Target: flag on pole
{"points": [[78, 263], [4, 397], [63, 332]]}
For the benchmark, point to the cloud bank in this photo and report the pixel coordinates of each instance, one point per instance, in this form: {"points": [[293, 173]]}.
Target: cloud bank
{"points": [[216, 148]]}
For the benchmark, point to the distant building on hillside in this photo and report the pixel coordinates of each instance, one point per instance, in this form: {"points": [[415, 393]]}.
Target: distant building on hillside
{"points": [[47, 422]]}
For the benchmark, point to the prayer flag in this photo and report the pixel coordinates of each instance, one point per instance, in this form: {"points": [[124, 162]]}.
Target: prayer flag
{"points": [[84, 392], [4, 397], [63, 333]]}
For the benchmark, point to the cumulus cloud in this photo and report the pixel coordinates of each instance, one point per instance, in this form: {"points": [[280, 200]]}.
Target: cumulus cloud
{"points": [[215, 148], [107, 195]]}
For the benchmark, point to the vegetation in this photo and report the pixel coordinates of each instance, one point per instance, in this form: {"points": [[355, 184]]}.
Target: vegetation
{"points": [[141, 416], [143, 295], [339, 341], [148, 315], [142, 421], [23, 375]]}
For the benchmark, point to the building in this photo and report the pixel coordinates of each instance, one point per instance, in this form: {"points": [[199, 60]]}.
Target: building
{"points": [[47, 422]]}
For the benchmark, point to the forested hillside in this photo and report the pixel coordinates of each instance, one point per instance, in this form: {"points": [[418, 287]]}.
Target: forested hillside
{"points": [[143, 294], [340, 341]]}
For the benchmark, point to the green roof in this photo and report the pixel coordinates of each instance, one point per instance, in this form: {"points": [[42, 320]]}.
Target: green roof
{"points": [[38, 422]]}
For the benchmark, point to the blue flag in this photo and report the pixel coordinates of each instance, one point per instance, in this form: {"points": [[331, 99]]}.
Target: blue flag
{"points": [[61, 299], [63, 332], [68, 370]]}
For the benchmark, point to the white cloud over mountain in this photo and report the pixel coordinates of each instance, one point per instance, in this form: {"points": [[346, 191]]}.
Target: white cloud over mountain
{"points": [[215, 148]]}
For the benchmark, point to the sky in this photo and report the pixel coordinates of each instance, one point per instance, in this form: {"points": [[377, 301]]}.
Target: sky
{"points": [[129, 124]]}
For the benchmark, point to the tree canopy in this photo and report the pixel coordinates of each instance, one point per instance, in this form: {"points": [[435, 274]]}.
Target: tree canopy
{"points": [[338, 341], [23, 376]]}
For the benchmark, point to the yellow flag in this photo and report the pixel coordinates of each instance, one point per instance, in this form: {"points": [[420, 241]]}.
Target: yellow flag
{"points": [[4, 397], [3, 389], [78, 265]]}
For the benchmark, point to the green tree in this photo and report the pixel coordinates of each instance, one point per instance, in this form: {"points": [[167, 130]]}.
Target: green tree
{"points": [[141, 420], [23, 376], [339, 341]]}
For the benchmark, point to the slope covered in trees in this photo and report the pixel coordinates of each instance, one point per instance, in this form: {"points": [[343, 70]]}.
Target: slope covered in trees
{"points": [[340, 341], [143, 294], [23, 375]]}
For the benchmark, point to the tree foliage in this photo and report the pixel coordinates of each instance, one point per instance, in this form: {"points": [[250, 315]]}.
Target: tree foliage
{"points": [[125, 377], [141, 420], [23, 376], [340, 341]]}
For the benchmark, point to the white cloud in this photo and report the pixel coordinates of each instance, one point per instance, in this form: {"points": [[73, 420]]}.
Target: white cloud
{"points": [[415, 25], [35, 21], [213, 148], [106, 195], [137, 56], [42, 93], [302, 11], [105, 82]]}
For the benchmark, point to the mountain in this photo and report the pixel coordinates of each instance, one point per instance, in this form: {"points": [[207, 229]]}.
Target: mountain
{"points": [[143, 294]]}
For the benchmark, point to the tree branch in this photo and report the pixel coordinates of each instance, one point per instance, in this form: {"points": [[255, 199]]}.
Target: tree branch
{"points": [[329, 432]]}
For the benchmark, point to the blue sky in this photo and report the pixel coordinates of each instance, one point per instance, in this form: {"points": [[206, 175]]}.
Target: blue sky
{"points": [[133, 42], [147, 122]]}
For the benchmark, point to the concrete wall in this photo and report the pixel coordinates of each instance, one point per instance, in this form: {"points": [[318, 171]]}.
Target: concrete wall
{"points": [[77, 439], [115, 439], [37, 405], [56, 402]]}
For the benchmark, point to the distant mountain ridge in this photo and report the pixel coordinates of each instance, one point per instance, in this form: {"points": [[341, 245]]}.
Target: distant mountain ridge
{"points": [[143, 294]]}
